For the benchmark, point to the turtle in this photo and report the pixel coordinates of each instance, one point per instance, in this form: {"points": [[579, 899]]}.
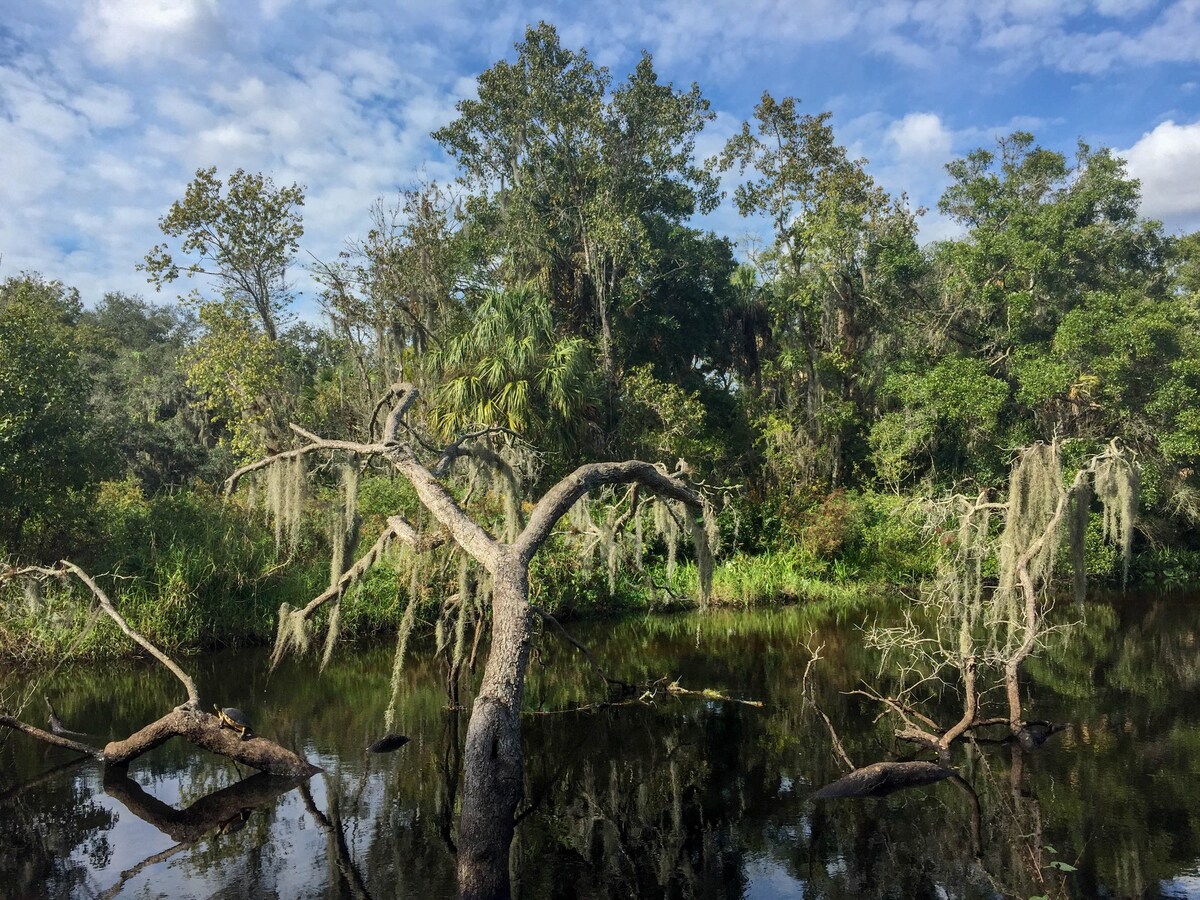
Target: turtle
{"points": [[233, 718]]}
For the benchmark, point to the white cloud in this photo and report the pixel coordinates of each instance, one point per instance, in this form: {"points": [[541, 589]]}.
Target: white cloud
{"points": [[124, 31], [921, 138], [1167, 161]]}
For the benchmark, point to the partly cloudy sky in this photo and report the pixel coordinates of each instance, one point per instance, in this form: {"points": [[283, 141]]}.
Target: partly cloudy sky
{"points": [[108, 107]]}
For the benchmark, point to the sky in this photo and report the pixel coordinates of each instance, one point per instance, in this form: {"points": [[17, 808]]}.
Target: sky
{"points": [[108, 107]]}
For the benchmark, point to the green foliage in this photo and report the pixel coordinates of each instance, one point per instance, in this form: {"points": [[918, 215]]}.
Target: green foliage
{"points": [[842, 262], [194, 573], [510, 369], [948, 416], [240, 373], [661, 421], [141, 404], [45, 423], [242, 233], [575, 182]]}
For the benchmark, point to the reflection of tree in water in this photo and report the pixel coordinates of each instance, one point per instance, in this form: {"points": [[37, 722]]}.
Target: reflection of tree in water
{"points": [[650, 807], [53, 834]]}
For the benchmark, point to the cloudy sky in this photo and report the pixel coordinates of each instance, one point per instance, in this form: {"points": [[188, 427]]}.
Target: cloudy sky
{"points": [[107, 107]]}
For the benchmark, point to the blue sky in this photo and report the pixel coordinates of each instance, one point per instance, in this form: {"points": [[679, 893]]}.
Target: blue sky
{"points": [[107, 107]]}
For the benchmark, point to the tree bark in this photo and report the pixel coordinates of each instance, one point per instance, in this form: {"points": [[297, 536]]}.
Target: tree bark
{"points": [[494, 772]]}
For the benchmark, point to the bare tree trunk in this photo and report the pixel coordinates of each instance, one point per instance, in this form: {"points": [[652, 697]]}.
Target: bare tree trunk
{"points": [[494, 772]]}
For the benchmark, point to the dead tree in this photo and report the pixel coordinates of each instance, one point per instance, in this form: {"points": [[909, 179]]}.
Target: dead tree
{"points": [[982, 631], [188, 720], [493, 762]]}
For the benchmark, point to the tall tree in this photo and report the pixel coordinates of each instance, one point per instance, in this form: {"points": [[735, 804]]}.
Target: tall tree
{"points": [[568, 176], [494, 759], [843, 257], [242, 233]]}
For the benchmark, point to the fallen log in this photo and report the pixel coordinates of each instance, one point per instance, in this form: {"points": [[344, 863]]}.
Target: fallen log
{"points": [[205, 730], [882, 778]]}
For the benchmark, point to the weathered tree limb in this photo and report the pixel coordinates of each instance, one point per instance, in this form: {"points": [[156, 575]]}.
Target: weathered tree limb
{"points": [[111, 611], [185, 679], [198, 728], [232, 482], [204, 730], [56, 724], [467, 533], [458, 448], [883, 778], [560, 498], [810, 696], [970, 705], [1029, 590], [675, 689], [405, 396], [48, 737]]}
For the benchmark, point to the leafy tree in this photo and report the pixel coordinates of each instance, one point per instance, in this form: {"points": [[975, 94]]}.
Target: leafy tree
{"points": [[46, 448], [242, 233], [1060, 292], [947, 421], [843, 258], [141, 402], [510, 369], [243, 377], [569, 178]]}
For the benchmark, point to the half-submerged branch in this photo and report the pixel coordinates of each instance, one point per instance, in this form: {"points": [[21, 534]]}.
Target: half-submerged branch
{"points": [[67, 567], [187, 720]]}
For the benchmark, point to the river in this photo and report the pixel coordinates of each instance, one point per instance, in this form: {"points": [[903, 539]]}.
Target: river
{"points": [[690, 796]]}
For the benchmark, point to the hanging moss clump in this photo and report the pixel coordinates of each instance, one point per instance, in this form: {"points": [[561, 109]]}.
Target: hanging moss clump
{"points": [[331, 633], [406, 627], [287, 484], [1034, 491], [343, 520], [1117, 485], [291, 634]]}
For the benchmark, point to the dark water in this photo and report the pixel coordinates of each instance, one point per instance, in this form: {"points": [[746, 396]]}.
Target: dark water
{"points": [[690, 797]]}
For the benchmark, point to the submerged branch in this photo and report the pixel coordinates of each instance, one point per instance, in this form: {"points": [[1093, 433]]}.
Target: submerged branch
{"points": [[566, 636], [186, 720]]}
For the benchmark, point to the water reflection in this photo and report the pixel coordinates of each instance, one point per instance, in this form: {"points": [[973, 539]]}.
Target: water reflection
{"points": [[688, 798]]}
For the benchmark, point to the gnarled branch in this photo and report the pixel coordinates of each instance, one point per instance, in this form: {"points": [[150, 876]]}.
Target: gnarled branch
{"points": [[560, 498]]}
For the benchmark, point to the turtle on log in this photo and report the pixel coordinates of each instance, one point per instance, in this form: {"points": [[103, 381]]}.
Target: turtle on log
{"points": [[233, 718]]}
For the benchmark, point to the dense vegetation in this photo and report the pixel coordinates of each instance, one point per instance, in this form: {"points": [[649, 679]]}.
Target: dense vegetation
{"points": [[817, 385]]}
